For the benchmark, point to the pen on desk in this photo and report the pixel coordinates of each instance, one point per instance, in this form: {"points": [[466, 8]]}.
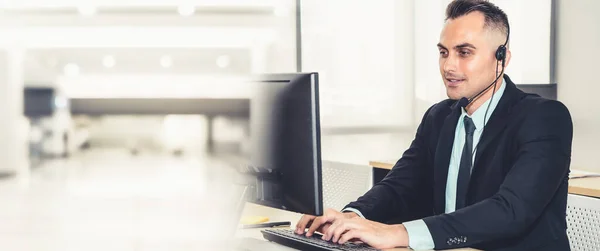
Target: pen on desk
{"points": [[268, 224]]}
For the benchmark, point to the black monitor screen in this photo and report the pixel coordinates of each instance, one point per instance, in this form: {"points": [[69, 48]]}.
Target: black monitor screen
{"points": [[38, 102], [286, 152]]}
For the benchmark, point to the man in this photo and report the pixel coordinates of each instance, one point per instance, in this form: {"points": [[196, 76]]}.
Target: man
{"points": [[489, 171]]}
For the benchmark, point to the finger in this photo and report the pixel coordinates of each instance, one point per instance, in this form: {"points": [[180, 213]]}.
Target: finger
{"points": [[327, 234], [316, 223], [310, 222], [324, 228], [330, 215], [349, 224], [339, 231], [349, 235], [304, 220]]}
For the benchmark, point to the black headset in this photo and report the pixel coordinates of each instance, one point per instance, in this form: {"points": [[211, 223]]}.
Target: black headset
{"points": [[500, 56], [501, 51]]}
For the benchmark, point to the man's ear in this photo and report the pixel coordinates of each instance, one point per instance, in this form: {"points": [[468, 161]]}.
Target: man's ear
{"points": [[508, 56], [505, 61]]}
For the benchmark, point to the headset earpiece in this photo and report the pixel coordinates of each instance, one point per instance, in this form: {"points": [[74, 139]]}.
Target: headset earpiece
{"points": [[501, 53]]}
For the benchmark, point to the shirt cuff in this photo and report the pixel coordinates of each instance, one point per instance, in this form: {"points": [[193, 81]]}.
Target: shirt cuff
{"points": [[419, 237], [354, 210]]}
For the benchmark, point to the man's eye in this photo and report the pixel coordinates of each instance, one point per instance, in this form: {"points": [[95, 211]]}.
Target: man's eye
{"points": [[465, 53], [443, 53]]}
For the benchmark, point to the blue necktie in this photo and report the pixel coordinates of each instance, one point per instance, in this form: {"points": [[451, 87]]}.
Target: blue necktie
{"points": [[464, 172]]}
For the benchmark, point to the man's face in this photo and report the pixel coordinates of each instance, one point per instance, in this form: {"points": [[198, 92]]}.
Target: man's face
{"points": [[467, 55]]}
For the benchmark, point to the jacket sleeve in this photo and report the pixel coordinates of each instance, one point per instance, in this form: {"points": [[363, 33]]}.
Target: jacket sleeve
{"points": [[406, 192], [538, 170]]}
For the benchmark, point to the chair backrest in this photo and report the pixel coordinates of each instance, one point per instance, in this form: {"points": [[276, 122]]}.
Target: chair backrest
{"points": [[344, 183], [583, 223]]}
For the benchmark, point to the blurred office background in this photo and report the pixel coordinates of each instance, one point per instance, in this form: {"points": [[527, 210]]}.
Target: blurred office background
{"points": [[119, 117]]}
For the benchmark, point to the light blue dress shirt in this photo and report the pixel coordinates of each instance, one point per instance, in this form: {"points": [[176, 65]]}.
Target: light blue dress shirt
{"points": [[419, 237]]}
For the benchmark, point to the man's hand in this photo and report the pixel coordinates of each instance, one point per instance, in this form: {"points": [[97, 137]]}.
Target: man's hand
{"points": [[375, 234], [321, 223]]}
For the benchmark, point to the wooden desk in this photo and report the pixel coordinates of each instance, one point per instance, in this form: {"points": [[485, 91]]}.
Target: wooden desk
{"points": [[381, 169], [582, 186], [281, 215], [585, 186]]}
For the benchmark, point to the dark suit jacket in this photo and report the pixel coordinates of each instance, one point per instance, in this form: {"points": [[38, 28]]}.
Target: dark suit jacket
{"points": [[517, 195]]}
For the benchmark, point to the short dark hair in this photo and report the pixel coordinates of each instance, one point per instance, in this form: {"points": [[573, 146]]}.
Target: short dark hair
{"points": [[495, 18]]}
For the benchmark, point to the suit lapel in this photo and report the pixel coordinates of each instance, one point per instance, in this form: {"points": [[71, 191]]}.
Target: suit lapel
{"points": [[498, 119], [442, 157]]}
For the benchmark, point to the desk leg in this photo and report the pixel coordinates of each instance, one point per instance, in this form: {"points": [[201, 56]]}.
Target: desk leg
{"points": [[379, 174]]}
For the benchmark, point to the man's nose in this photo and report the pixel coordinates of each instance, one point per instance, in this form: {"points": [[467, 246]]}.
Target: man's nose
{"points": [[450, 64]]}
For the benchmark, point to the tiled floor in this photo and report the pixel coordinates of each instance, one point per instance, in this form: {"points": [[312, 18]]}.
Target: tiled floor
{"points": [[110, 200]]}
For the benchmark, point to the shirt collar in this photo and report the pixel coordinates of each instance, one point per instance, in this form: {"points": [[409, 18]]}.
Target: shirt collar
{"points": [[479, 114]]}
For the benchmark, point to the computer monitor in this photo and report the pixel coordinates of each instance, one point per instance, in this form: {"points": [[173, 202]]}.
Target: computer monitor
{"points": [[285, 160], [38, 101], [548, 91]]}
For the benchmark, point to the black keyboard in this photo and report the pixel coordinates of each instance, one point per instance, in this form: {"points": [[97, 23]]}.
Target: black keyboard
{"points": [[287, 237]]}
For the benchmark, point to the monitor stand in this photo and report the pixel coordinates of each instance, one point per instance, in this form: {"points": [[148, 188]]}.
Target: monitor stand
{"points": [[249, 179]]}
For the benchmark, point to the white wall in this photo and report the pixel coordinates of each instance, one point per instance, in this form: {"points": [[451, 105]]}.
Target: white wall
{"points": [[529, 40], [363, 53], [578, 51], [14, 126], [429, 88]]}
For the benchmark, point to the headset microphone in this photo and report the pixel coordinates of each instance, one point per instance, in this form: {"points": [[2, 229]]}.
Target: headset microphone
{"points": [[464, 102]]}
